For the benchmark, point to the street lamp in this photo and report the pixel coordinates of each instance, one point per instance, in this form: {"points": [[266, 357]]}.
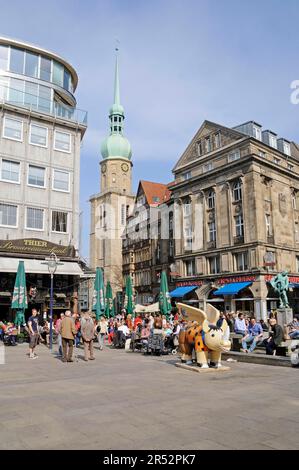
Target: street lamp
{"points": [[52, 262]]}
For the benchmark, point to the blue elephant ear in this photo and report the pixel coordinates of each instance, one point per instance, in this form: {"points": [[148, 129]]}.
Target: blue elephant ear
{"points": [[212, 314]]}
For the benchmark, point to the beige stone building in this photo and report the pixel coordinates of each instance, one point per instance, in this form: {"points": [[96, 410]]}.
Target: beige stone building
{"points": [[110, 207], [236, 195]]}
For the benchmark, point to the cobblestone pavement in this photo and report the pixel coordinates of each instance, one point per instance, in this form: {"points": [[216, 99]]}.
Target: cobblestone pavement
{"points": [[130, 401]]}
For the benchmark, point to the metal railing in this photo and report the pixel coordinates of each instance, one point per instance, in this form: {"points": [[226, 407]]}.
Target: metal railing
{"points": [[36, 103]]}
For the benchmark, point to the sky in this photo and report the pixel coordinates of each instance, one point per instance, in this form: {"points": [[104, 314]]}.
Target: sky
{"points": [[181, 62]]}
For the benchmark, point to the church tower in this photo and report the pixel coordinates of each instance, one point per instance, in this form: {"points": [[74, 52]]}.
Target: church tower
{"points": [[110, 207]]}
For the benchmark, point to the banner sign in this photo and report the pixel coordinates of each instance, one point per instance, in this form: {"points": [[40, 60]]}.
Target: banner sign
{"points": [[35, 246]]}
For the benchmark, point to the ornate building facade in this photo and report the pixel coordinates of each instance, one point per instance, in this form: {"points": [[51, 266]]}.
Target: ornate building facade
{"points": [[110, 207], [236, 206]]}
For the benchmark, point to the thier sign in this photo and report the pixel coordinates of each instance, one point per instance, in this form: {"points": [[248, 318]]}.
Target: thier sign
{"points": [[35, 246]]}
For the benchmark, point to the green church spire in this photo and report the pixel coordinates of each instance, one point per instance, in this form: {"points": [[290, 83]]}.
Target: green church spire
{"points": [[116, 145]]}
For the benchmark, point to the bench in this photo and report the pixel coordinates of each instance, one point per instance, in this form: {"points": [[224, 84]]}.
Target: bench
{"points": [[282, 350]]}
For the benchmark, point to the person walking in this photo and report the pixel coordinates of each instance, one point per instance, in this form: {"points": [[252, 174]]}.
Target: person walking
{"points": [[68, 333], [88, 332], [57, 331], [33, 333], [102, 330]]}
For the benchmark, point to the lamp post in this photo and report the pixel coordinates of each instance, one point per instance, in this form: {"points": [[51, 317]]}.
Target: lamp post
{"points": [[52, 262]]}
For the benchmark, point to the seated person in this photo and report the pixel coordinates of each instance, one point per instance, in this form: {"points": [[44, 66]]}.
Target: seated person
{"points": [[293, 328], [264, 325], [240, 325], [275, 337], [255, 333], [12, 332]]}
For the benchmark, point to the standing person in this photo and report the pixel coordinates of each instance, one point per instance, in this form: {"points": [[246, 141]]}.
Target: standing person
{"points": [[255, 333], [57, 331], [275, 337], [68, 333], [102, 330], [33, 333], [87, 332]]}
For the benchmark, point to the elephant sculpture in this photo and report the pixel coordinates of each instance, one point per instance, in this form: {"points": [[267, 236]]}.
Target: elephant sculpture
{"points": [[203, 335]]}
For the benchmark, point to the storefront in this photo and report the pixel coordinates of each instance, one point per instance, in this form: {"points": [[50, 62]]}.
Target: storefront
{"points": [[34, 252]]}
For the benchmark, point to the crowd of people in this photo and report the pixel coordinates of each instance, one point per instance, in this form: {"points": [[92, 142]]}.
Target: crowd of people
{"points": [[71, 330]]}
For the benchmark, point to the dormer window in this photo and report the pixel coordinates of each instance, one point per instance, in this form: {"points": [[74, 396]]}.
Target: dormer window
{"points": [[208, 144], [217, 140], [257, 134], [287, 148], [272, 141], [199, 148]]}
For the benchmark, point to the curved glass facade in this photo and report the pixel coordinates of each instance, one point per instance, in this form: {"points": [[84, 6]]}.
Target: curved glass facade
{"points": [[40, 84], [23, 62]]}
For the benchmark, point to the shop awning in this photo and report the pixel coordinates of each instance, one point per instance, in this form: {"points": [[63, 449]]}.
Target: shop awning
{"points": [[35, 266], [232, 288], [181, 291]]}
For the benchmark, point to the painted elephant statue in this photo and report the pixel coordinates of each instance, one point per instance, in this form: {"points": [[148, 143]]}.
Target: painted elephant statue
{"points": [[202, 335]]}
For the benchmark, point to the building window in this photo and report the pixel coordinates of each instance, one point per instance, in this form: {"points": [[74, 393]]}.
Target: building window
{"points": [[187, 175], [123, 214], [257, 133], [208, 144], [13, 129], [36, 176], [239, 226], [187, 208], [190, 267], [294, 201], [237, 191], [171, 248], [199, 148], [268, 219], [212, 231], [207, 167], [273, 141], [170, 222], [45, 69], [287, 149], [214, 264], [58, 73], [16, 64], [10, 171], [3, 57], [296, 232], [235, 155], [62, 141], [217, 140], [8, 215], [61, 180], [297, 263], [188, 238], [31, 64], [35, 219], [59, 221], [158, 252], [241, 262], [211, 200], [38, 135]]}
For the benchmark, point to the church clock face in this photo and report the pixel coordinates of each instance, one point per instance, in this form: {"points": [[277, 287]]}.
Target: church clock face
{"points": [[125, 167], [104, 168]]}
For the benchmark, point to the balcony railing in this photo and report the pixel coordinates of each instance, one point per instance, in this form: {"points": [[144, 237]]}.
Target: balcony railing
{"points": [[42, 105]]}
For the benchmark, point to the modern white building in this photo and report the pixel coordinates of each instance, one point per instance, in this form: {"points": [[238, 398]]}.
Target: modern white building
{"points": [[41, 130]]}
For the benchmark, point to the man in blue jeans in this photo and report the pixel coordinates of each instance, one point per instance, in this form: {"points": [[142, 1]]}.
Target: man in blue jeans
{"points": [[255, 334]]}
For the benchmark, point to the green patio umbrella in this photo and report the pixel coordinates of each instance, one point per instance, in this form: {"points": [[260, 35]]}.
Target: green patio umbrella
{"points": [[164, 297], [109, 304], [129, 300], [19, 299], [98, 303]]}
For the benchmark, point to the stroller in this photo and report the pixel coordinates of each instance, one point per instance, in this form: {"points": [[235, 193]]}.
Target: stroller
{"points": [[119, 339], [156, 342], [171, 344]]}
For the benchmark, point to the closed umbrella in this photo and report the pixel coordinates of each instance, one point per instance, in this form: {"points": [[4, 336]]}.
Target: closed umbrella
{"points": [[19, 299], [98, 303], [109, 304], [164, 297], [129, 300]]}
